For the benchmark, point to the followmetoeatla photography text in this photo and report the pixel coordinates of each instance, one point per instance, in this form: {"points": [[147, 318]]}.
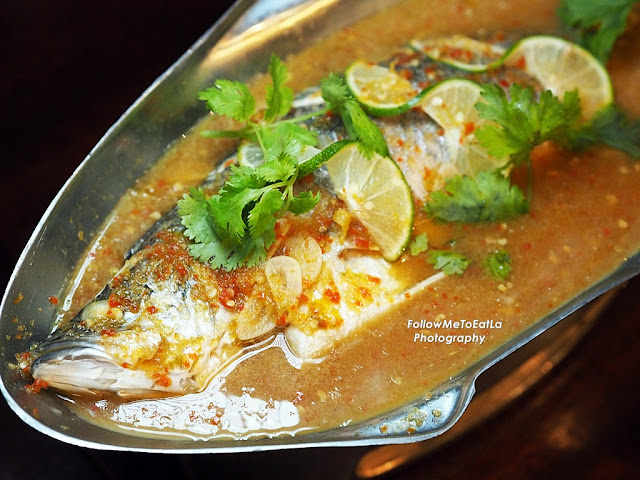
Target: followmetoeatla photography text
{"points": [[464, 331]]}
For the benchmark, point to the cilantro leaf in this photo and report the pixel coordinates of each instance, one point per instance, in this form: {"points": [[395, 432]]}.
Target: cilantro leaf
{"points": [[450, 263], [296, 133], [211, 245], [237, 226], [304, 202], [499, 264], [279, 170], [279, 96], [419, 244], [228, 210], [229, 98], [334, 91], [361, 128], [523, 123], [489, 197], [283, 138], [357, 123], [263, 212], [598, 22], [209, 252], [612, 127], [194, 210]]}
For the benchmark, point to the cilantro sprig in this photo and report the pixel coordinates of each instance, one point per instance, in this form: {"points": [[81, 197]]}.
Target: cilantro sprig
{"points": [[233, 99], [274, 135], [612, 127], [236, 226], [519, 123], [449, 262], [598, 23], [498, 263], [419, 244], [489, 197], [522, 122]]}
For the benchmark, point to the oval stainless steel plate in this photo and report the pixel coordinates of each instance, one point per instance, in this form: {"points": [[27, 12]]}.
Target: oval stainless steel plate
{"points": [[238, 46]]}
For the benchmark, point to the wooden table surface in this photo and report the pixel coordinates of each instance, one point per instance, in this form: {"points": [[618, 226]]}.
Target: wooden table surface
{"points": [[67, 75]]}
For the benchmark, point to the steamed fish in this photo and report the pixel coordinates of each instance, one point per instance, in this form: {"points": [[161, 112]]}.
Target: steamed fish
{"points": [[167, 322]]}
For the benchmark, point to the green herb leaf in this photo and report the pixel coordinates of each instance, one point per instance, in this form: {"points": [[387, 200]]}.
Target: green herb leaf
{"points": [[236, 227], [279, 96], [489, 197], [357, 123], [283, 138], [304, 202], [263, 213], [612, 127], [228, 207], [499, 264], [209, 245], [194, 210], [419, 244], [280, 170], [229, 98], [361, 128], [334, 91], [450, 263], [523, 123], [297, 133], [598, 22]]}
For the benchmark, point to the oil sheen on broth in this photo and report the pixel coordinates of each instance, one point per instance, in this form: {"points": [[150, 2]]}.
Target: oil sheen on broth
{"points": [[582, 224]]}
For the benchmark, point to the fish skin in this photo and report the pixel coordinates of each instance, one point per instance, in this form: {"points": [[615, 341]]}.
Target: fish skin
{"points": [[168, 323]]}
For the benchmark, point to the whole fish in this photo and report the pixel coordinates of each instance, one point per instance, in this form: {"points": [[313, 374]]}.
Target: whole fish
{"points": [[168, 323]]}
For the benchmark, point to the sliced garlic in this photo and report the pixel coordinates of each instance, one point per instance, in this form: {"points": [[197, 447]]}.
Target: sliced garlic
{"points": [[306, 251], [254, 320], [285, 280]]}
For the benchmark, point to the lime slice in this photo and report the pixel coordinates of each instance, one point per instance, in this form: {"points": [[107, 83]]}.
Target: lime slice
{"points": [[451, 104], [250, 154], [562, 66], [461, 52], [315, 162], [377, 194], [380, 90]]}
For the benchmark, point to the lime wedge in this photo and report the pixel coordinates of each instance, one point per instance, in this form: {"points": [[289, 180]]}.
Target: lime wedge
{"points": [[562, 66], [377, 194], [461, 52], [250, 154], [380, 90], [451, 104]]}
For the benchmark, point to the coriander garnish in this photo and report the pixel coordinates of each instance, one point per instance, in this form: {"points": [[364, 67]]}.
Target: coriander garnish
{"points": [[612, 127], [498, 264], [450, 263], [598, 22], [236, 226], [489, 197]]}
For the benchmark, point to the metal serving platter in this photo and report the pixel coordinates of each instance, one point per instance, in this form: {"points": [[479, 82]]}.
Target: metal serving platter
{"points": [[237, 46]]}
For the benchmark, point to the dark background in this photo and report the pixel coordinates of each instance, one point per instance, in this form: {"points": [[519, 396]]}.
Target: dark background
{"points": [[68, 71]]}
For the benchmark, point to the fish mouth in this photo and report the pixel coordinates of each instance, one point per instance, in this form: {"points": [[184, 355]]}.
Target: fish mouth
{"points": [[83, 366]]}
